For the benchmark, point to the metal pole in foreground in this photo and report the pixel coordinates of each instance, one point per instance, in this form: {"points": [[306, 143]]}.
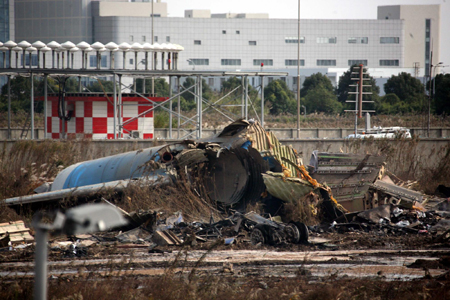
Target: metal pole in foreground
{"points": [[298, 74], [40, 269]]}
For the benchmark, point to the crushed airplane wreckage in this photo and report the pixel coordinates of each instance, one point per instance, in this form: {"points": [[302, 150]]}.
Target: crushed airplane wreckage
{"points": [[241, 165]]}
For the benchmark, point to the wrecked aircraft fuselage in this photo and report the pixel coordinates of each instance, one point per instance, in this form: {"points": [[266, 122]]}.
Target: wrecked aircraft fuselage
{"points": [[243, 164]]}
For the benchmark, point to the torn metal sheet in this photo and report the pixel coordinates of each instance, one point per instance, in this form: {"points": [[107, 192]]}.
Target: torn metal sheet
{"points": [[348, 175], [287, 189], [401, 193]]}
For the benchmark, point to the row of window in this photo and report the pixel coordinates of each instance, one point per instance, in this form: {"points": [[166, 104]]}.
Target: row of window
{"points": [[237, 62], [155, 38], [292, 62], [350, 40], [324, 40]]}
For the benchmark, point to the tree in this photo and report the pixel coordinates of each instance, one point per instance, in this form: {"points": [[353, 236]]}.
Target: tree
{"points": [[442, 94], [101, 86], [321, 99], [280, 98], [408, 89], [313, 81], [405, 86], [390, 104], [344, 88], [189, 82], [20, 93], [233, 82]]}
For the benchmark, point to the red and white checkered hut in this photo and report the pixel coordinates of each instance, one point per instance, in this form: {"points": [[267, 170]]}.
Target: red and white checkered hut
{"points": [[92, 116]]}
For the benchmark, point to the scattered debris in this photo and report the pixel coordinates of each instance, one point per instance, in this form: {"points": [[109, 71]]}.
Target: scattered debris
{"points": [[14, 234]]}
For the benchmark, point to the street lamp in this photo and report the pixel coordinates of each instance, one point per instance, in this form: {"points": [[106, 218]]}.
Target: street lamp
{"points": [[192, 61]]}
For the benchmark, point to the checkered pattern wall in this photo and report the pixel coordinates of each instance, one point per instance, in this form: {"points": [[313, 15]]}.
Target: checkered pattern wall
{"points": [[94, 119]]}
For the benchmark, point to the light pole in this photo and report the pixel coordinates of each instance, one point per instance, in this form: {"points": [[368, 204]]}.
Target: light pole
{"points": [[192, 61]]}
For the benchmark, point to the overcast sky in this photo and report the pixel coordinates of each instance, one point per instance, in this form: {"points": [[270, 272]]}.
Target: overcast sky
{"points": [[314, 9]]}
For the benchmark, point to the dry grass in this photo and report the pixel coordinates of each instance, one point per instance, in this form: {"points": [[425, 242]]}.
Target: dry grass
{"points": [[409, 160], [227, 287]]}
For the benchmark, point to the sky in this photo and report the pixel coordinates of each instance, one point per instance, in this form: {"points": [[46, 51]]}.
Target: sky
{"points": [[315, 9]]}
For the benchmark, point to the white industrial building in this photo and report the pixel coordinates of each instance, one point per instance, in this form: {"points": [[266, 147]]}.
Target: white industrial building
{"points": [[399, 40]]}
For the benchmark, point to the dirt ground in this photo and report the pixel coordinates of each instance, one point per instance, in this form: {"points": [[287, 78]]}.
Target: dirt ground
{"points": [[352, 265]]}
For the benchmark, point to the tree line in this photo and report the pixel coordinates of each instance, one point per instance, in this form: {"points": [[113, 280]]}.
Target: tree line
{"points": [[403, 94]]}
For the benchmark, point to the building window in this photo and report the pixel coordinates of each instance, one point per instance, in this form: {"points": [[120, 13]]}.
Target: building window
{"points": [[389, 40], [294, 40], [326, 40], [155, 39], [389, 62], [131, 61], [198, 61], [168, 39], [238, 32], [264, 62], [293, 62], [93, 61], [270, 79], [358, 62], [211, 81], [131, 38], [252, 43], [230, 62], [358, 40], [224, 32], [144, 38], [197, 42], [326, 62]]}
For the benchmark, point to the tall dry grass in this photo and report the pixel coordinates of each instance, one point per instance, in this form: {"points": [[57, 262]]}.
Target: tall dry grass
{"points": [[409, 160]]}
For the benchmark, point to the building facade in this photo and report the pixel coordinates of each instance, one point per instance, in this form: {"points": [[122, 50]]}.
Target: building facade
{"points": [[399, 40]]}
